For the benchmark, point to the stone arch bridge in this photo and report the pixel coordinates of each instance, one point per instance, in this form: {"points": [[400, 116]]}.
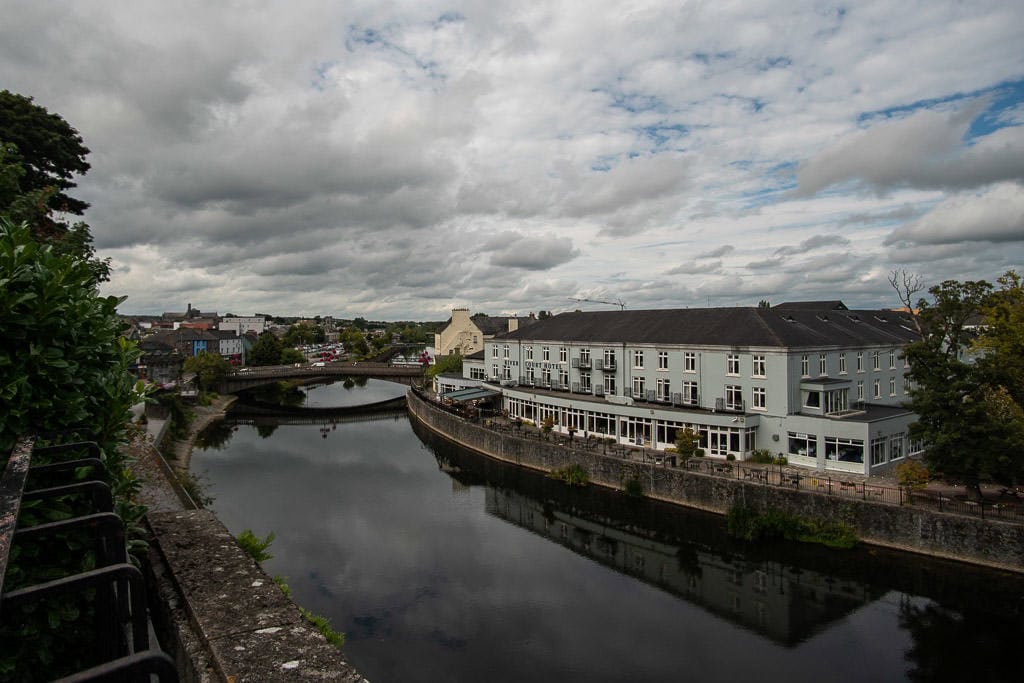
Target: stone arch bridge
{"points": [[246, 378]]}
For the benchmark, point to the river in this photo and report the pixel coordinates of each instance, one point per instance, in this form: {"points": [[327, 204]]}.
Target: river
{"points": [[440, 565]]}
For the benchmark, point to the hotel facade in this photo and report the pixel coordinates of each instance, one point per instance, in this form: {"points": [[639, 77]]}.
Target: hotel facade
{"points": [[820, 384]]}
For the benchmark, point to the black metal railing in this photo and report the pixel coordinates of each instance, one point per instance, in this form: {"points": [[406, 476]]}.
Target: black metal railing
{"points": [[116, 635]]}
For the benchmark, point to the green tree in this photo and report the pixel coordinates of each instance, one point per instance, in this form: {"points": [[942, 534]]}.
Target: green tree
{"points": [[304, 333], [266, 350], [40, 153], [968, 420], [211, 369], [290, 356], [451, 364], [688, 443]]}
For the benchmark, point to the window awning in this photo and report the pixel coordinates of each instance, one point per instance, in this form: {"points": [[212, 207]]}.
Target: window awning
{"points": [[463, 395]]}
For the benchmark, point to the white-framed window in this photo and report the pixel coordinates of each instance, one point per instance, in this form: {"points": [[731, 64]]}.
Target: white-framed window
{"points": [[529, 353], [876, 360], [690, 393], [860, 361], [892, 386], [584, 356], [609, 358], [545, 376], [878, 451], [505, 351], [803, 444], [844, 450], [892, 359], [877, 389], [477, 373], [545, 353], [494, 371], [638, 359], [822, 364], [805, 366], [758, 398], [639, 387], [663, 360], [563, 355], [663, 390], [609, 385], [732, 364], [506, 372], [759, 366], [842, 364], [585, 381], [860, 390], [494, 351], [733, 397], [563, 378], [896, 446], [689, 361]]}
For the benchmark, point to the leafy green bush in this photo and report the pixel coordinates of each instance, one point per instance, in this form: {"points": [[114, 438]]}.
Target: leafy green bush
{"points": [[743, 522], [573, 475], [634, 488]]}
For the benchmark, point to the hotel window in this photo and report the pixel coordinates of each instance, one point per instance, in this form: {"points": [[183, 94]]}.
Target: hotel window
{"points": [[585, 381], [663, 360], [844, 450], [803, 444], [639, 387], [805, 366], [609, 359], [906, 384], [892, 360], [529, 353], [842, 364], [876, 360], [505, 349], [896, 446], [494, 351], [860, 390], [663, 392], [545, 353], [506, 372], [563, 378], [758, 398], [545, 376], [494, 372], [878, 451], [609, 385], [892, 386], [689, 362], [733, 397], [584, 357], [759, 366], [877, 389], [690, 393], [563, 354], [732, 364], [638, 360], [822, 364], [860, 361]]}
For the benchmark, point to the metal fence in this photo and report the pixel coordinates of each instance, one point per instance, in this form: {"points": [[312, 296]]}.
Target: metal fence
{"points": [[119, 629]]}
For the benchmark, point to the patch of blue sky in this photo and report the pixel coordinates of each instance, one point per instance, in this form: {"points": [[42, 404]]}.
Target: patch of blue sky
{"points": [[770, 63], [764, 196], [449, 18], [374, 38], [660, 133], [1003, 97], [320, 72], [708, 58], [756, 104]]}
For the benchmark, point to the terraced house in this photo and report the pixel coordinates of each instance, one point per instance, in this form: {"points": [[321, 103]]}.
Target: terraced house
{"points": [[823, 385]]}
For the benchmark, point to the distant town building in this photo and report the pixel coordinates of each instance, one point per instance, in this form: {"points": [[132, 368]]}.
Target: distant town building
{"points": [[465, 335], [241, 325]]}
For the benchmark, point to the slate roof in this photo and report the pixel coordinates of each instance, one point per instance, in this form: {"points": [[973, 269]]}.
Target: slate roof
{"points": [[732, 327], [835, 305]]}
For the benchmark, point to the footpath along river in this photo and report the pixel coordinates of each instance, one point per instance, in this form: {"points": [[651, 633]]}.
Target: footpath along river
{"points": [[441, 565]]}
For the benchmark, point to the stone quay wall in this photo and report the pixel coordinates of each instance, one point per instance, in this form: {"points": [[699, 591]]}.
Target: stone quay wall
{"points": [[992, 543]]}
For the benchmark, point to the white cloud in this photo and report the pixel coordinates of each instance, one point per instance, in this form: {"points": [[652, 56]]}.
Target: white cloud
{"points": [[389, 159]]}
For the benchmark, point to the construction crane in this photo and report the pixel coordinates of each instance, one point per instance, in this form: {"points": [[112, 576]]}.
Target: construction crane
{"points": [[617, 302]]}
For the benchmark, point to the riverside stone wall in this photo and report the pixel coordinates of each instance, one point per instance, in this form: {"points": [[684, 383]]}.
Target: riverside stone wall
{"points": [[992, 543]]}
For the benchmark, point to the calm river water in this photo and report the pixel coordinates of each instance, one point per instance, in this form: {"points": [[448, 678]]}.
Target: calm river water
{"points": [[440, 565]]}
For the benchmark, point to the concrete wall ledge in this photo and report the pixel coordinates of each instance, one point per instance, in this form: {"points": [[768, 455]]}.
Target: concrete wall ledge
{"points": [[247, 629]]}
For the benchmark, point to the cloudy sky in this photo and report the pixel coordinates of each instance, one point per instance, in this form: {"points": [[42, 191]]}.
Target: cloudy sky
{"points": [[395, 159]]}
